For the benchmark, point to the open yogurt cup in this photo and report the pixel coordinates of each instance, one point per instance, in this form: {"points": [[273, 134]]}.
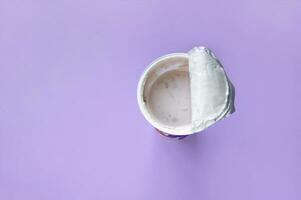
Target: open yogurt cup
{"points": [[170, 92]]}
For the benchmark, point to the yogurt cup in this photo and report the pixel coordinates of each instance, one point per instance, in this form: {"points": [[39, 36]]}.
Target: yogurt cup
{"points": [[170, 97]]}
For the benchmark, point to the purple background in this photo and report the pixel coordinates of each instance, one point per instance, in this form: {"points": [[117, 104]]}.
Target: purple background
{"points": [[70, 127]]}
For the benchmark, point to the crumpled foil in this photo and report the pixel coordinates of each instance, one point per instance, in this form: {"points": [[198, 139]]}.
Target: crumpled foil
{"points": [[212, 93]]}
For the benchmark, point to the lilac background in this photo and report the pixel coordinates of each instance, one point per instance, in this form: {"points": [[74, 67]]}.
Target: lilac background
{"points": [[70, 128]]}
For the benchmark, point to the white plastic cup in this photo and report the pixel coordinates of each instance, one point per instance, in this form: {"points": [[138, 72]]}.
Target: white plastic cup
{"points": [[184, 93]]}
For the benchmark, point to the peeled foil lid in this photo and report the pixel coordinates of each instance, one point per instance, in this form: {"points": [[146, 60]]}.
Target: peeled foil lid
{"points": [[212, 94]]}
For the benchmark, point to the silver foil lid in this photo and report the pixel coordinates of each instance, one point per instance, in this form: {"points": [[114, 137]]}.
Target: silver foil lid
{"points": [[211, 90]]}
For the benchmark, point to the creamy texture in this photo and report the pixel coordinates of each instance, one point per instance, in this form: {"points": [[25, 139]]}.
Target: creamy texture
{"points": [[169, 98]]}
